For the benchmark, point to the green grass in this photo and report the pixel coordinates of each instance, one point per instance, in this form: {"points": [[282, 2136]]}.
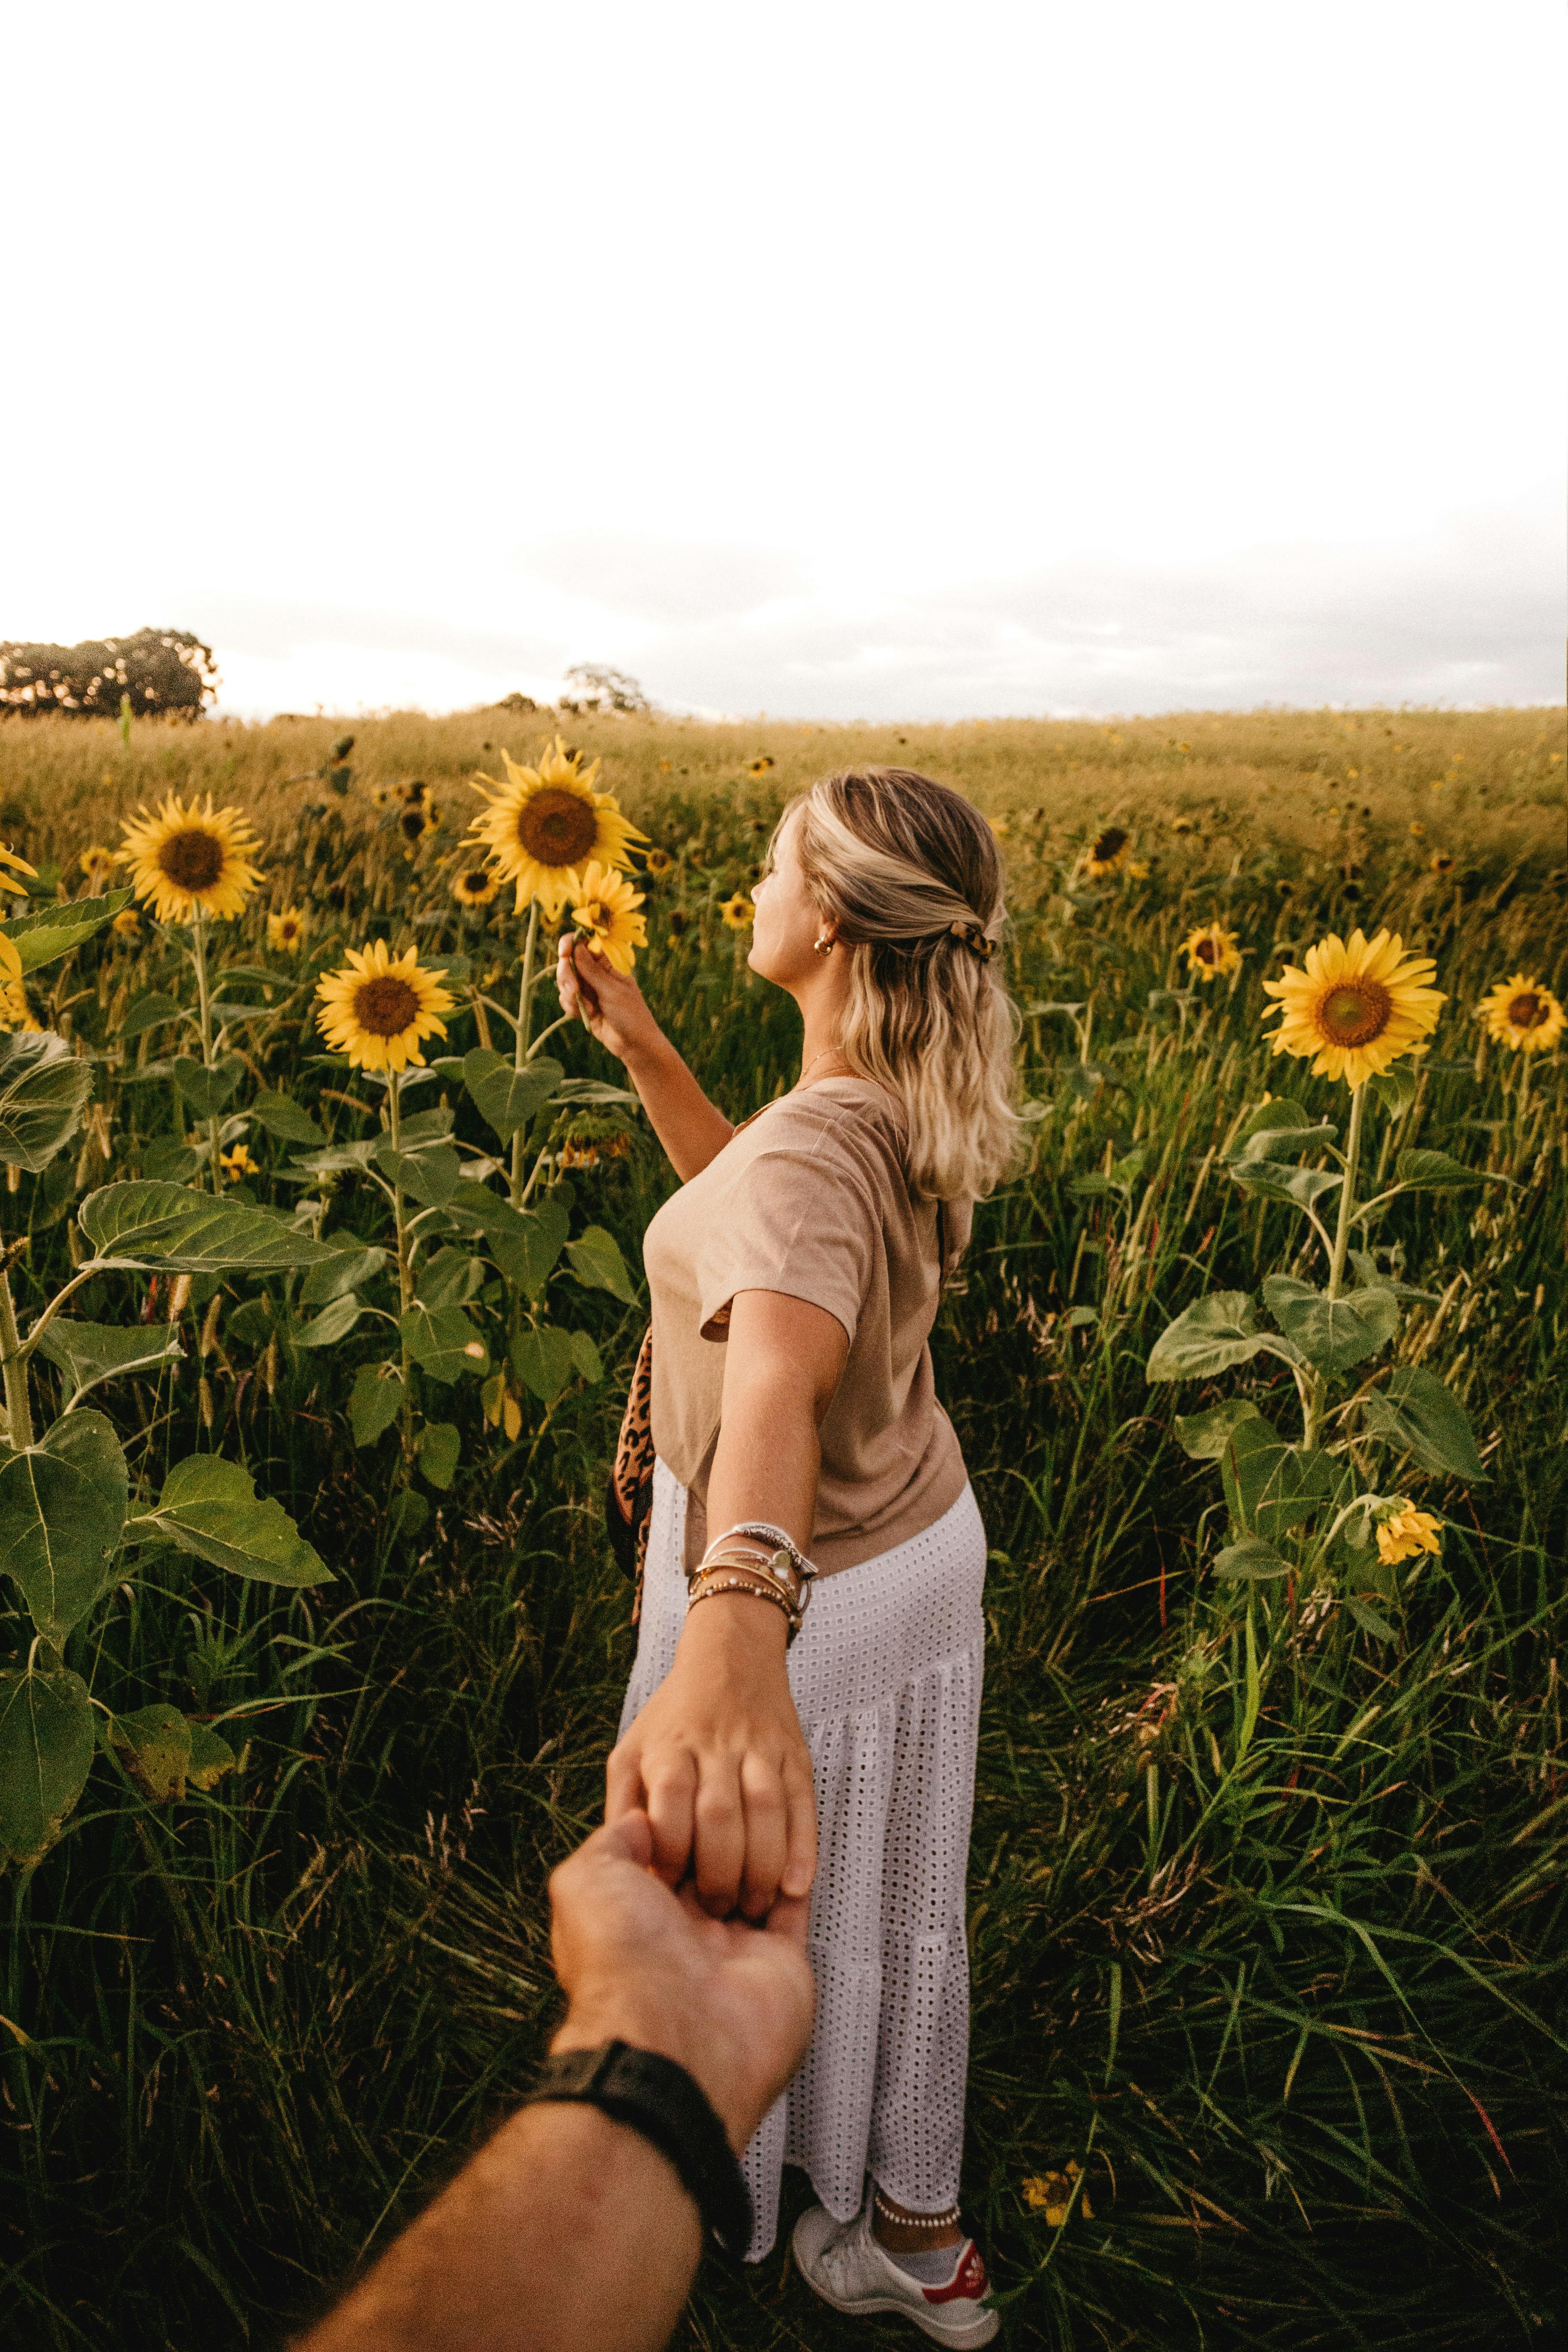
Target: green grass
{"points": [[1267, 1934]]}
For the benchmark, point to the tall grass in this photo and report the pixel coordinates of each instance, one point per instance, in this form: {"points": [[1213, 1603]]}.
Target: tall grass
{"points": [[1269, 1939]]}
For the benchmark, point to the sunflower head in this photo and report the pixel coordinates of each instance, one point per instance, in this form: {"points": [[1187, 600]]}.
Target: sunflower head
{"points": [[657, 861], [759, 765], [476, 886], [545, 825], [1523, 1014], [604, 914], [127, 923], [1356, 1008], [238, 1164], [1109, 850], [379, 1009], [1440, 863], [1403, 1531], [286, 931], [97, 865], [1211, 949], [737, 913], [190, 862], [10, 864], [15, 1012], [417, 823]]}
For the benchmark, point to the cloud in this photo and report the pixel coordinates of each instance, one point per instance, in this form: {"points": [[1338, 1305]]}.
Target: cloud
{"points": [[273, 629], [665, 581]]}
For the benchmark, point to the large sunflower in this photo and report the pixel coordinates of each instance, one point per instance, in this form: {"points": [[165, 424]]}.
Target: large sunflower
{"points": [[1523, 1014], [1356, 1008], [544, 826], [604, 911], [379, 1009], [190, 861], [1211, 949]]}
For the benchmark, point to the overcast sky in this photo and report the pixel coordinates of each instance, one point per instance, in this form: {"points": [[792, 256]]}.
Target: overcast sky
{"points": [[847, 360]]}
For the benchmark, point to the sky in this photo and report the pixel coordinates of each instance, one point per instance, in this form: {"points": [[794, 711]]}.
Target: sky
{"points": [[837, 360]]}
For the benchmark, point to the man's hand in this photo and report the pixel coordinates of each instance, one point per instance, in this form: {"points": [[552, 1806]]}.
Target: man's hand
{"points": [[730, 2003]]}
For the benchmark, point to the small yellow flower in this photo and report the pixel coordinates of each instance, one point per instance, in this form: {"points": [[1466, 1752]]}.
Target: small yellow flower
{"points": [[664, 767], [238, 1164], [657, 861], [1440, 863], [759, 765], [736, 914], [476, 886], [1211, 949], [1110, 852], [1417, 830], [190, 862], [545, 825], [1184, 824], [604, 913], [13, 1009], [8, 857], [97, 865], [1051, 2193], [379, 1009], [1523, 1014], [128, 923], [286, 933], [1403, 1531], [1357, 1007]]}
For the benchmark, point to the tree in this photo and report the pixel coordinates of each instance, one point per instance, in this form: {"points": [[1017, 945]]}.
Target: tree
{"points": [[594, 687], [157, 669]]}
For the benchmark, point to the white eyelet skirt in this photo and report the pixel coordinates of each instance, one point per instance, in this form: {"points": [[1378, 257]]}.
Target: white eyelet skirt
{"points": [[886, 1674]]}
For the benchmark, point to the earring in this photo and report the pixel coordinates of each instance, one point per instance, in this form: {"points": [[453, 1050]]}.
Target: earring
{"points": [[823, 946]]}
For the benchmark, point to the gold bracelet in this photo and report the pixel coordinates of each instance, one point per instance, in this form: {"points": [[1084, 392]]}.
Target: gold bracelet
{"points": [[757, 1591], [774, 1568]]}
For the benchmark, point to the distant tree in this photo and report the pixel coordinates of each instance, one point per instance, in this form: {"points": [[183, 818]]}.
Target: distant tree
{"points": [[594, 687], [157, 669]]}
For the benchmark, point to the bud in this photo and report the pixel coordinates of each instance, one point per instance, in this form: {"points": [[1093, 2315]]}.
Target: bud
{"points": [[205, 1402], [208, 1339], [179, 1299]]}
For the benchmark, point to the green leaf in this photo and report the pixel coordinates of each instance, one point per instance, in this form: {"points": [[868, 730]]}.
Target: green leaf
{"points": [[211, 1757], [1332, 1333], [334, 1322], [595, 1259], [150, 1011], [439, 1446], [376, 1402], [62, 1509], [1276, 1181], [90, 1352], [407, 1514], [1434, 1171], [1277, 1143], [1369, 1278], [585, 1356], [1370, 1620], [1396, 1089], [1215, 1333], [450, 1278], [429, 1177], [1270, 1486], [337, 1157], [1425, 1419], [1251, 1558], [349, 1269], [289, 1122], [50, 933], [526, 1251], [210, 1507], [43, 1086], [1206, 1436], [252, 1322], [507, 1098], [154, 1746], [543, 1359], [1272, 1118], [443, 1342], [205, 1093], [46, 1754], [154, 1225]]}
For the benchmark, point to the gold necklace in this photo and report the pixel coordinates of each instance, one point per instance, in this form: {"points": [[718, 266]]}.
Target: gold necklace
{"points": [[811, 1065]]}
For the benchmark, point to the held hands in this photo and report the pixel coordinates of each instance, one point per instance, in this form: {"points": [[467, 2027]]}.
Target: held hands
{"points": [[609, 1004]]}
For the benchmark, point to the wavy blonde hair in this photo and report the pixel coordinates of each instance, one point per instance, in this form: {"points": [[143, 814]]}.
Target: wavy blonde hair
{"points": [[909, 873]]}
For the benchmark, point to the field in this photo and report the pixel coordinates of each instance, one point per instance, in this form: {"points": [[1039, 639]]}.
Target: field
{"points": [[1268, 1914]]}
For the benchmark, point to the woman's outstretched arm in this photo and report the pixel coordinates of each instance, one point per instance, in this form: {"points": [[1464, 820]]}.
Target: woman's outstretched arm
{"points": [[611, 1007]]}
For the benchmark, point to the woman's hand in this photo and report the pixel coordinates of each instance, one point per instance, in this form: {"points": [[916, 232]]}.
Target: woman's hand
{"points": [[717, 1760], [610, 1003]]}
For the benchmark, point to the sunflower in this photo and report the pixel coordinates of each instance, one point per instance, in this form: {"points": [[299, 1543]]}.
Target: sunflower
{"points": [[736, 914], [128, 923], [238, 1164], [657, 861], [759, 765], [1402, 1532], [379, 1009], [545, 825], [1184, 824], [8, 857], [1356, 1008], [286, 933], [1523, 1014], [476, 886], [1051, 2193], [1210, 950], [97, 865], [1440, 863], [190, 861], [13, 1009], [416, 823], [1111, 851], [603, 912]]}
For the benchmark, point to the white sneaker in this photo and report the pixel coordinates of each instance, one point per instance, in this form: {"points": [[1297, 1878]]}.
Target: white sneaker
{"points": [[842, 2262]]}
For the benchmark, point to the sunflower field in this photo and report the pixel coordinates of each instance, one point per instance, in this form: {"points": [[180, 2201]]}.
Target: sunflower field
{"points": [[320, 1284]]}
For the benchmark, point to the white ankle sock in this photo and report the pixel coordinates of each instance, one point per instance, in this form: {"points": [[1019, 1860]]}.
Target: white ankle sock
{"points": [[931, 2266]]}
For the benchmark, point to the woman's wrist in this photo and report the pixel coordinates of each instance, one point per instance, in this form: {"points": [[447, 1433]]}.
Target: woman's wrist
{"points": [[737, 1636]]}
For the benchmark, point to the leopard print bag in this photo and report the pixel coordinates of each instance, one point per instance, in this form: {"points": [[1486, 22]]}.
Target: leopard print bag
{"points": [[628, 1493]]}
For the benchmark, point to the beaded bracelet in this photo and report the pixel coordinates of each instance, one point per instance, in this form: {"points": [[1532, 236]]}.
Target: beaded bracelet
{"points": [[757, 1591]]}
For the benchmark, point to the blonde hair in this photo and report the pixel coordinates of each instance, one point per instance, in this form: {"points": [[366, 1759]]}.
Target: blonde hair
{"points": [[910, 874]]}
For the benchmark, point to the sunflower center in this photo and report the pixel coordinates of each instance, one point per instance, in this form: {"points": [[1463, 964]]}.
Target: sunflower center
{"points": [[557, 828], [1526, 1011], [1355, 1012], [1111, 843], [385, 1006], [192, 861], [1206, 951], [476, 881]]}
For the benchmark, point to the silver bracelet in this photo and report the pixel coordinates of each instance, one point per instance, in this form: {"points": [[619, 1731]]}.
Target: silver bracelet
{"points": [[765, 1532]]}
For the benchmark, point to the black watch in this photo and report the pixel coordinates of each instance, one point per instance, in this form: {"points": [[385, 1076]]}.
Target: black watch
{"points": [[661, 2100]]}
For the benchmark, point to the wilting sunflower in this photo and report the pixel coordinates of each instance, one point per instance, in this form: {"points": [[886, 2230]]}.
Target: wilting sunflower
{"points": [[416, 825], [476, 886], [286, 933], [1403, 1531], [1211, 949], [8, 857], [190, 861], [545, 825], [604, 911], [736, 914], [13, 1009], [1110, 852], [379, 1009], [1521, 1014], [1356, 1008], [238, 1164], [97, 865], [1051, 2193]]}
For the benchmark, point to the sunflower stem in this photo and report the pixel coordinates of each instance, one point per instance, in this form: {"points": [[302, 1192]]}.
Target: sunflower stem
{"points": [[203, 1000], [405, 1270], [518, 1141], [1347, 1191], [18, 1405]]}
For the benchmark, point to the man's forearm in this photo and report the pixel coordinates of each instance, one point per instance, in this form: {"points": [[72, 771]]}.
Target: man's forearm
{"points": [[568, 2232], [692, 1130]]}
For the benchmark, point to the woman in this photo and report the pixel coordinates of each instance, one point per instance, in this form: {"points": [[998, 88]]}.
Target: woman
{"points": [[795, 1279]]}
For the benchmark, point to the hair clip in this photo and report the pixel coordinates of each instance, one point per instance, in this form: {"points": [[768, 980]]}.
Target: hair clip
{"points": [[975, 939]]}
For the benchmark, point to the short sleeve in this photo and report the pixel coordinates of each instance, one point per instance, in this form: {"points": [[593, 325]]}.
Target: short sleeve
{"points": [[802, 1218]]}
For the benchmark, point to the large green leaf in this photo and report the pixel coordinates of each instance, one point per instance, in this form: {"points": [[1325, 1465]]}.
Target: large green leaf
{"points": [[350, 1269], [1215, 1333], [1276, 1181], [50, 933], [1396, 1089], [1271, 1118], [1271, 1487], [150, 1011], [430, 1176], [1205, 1436], [451, 1277], [90, 1352], [527, 1247], [587, 1357], [46, 1754], [543, 1360], [507, 1098], [210, 1507], [1278, 1144], [439, 1445], [282, 1117], [375, 1401], [43, 1086], [443, 1342], [1250, 1558], [595, 1258], [1424, 1418], [206, 1093], [211, 1757], [1332, 1333], [154, 1746], [1434, 1172], [62, 1508], [334, 1322], [147, 1224]]}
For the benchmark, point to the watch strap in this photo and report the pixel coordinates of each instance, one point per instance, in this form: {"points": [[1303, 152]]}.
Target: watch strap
{"points": [[659, 2100]]}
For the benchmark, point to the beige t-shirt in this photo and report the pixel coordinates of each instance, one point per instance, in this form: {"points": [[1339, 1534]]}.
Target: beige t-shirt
{"points": [[809, 1198]]}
